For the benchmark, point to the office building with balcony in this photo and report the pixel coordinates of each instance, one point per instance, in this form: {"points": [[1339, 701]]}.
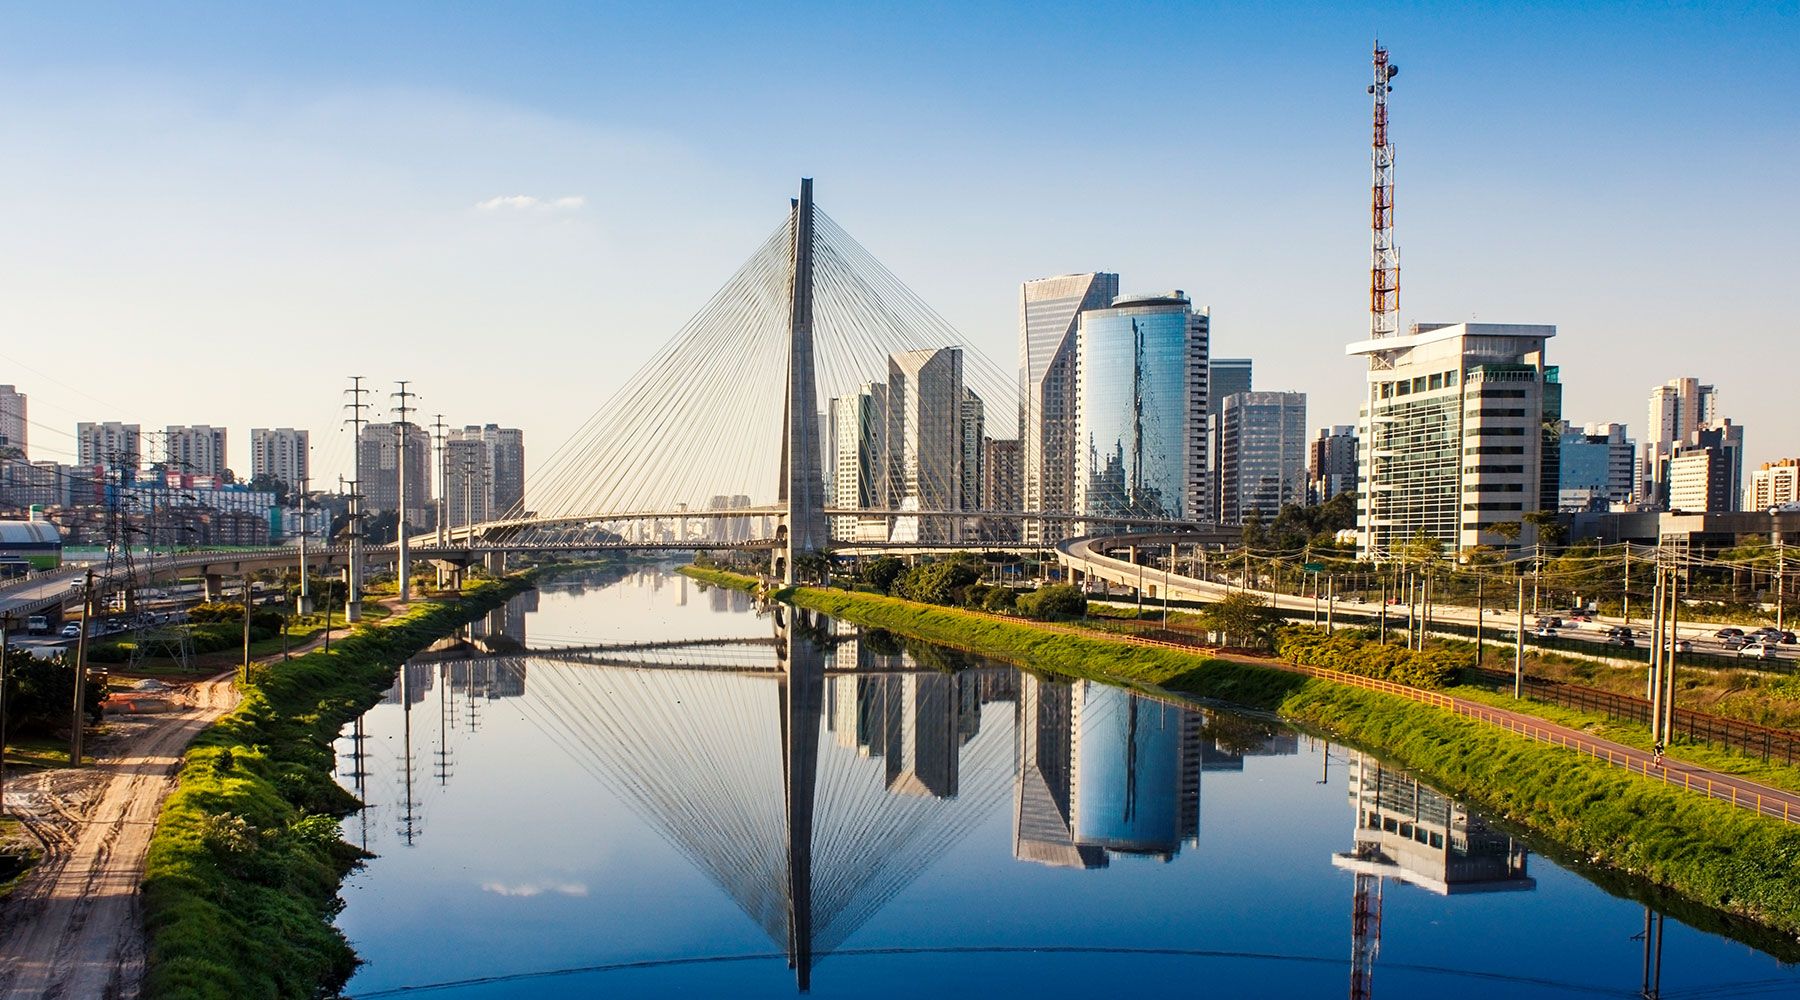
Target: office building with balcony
{"points": [[1678, 409], [1262, 461], [483, 473], [1453, 437], [1776, 484], [1140, 410], [1049, 313], [110, 445], [378, 471], [858, 428]]}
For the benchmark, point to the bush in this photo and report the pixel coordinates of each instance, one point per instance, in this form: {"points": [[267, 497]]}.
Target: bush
{"points": [[1000, 600], [1057, 601], [882, 572], [937, 582], [1313, 646], [1245, 618]]}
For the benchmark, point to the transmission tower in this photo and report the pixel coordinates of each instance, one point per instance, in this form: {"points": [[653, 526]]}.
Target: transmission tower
{"points": [[356, 406], [1384, 265]]}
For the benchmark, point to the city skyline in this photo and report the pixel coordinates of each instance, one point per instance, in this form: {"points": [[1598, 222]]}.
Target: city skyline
{"points": [[288, 215]]}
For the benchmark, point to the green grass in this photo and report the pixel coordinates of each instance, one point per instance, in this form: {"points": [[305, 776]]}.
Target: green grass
{"points": [[240, 887], [1724, 858], [720, 578]]}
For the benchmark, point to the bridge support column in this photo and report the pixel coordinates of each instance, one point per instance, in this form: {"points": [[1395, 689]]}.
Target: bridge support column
{"points": [[212, 587], [495, 562]]}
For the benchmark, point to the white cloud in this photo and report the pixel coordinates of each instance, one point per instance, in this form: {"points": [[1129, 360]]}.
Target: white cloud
{"points": [[531, 203], [526, 890]]}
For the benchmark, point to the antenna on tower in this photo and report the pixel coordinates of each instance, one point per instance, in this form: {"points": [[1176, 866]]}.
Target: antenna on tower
{"points": [[1384, 264]]}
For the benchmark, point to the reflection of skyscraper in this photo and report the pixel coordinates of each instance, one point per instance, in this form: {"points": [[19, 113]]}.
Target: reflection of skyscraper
{"points": [[1135, 772], [1416, 834], [1042, 735]]}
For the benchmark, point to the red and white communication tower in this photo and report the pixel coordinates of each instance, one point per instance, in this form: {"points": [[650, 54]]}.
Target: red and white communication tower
{"points": [[1384, 266]]}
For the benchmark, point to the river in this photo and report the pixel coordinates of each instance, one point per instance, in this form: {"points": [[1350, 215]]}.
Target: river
{"points": [[630, 785]]}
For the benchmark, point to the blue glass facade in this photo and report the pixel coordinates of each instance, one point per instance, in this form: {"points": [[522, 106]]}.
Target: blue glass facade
{"points": [[1128, 772], [1141, 410]]}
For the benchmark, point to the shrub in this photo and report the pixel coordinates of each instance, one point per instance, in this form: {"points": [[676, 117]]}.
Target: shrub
{"points": [[1345, 651], [1000, 600], [1057, 601], [937, 582]]}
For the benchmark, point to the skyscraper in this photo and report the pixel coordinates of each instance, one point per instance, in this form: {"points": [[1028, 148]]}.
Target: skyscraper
{"points": [[198, 449], [378, 474], [973, 430], [1262, 464], [1776, 484], [1457, 433], [1331, 463], [282, 454], [1225, 377], [1706, 473], [117, 446], [1002, 486], [13, 422], [925, 439], [1678, 408], [1140, 409], [859, 424], [483, 474], [1598, 466], [1049, 311]]}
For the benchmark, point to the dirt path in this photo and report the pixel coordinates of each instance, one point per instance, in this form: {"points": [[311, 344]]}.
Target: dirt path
{"points": [[74, 929]]}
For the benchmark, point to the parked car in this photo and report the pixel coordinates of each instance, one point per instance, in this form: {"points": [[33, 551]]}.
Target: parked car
{"points": [[71, 631], [1757, 650]]}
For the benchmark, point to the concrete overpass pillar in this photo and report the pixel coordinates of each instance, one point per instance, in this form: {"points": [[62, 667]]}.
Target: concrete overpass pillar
{"points": [[496, 562], [213, 587]]}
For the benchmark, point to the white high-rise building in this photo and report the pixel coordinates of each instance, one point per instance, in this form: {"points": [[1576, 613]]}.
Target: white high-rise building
{"points": [[1049, 311], [13, 422], [282, 454], [483, 474], [859, 479], [1776, 484], [1452, 435], [1678, 408], [925, 440], [198, 449], [378, 475], [117, 446]]}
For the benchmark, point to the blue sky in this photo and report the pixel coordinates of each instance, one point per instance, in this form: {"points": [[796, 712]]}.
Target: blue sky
{"points": [[214, 212]]}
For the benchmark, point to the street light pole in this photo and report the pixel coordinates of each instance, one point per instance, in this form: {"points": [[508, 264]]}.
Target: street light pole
{"points": [[1519, 646]]}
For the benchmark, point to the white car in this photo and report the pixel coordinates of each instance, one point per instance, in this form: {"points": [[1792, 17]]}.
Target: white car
{"points": [[1758, 650]]}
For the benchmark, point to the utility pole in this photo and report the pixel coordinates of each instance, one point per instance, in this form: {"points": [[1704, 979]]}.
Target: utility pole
{"points": [[1167, 570], [81, 644], [401, 428], [1625, 598], [4, 655], [1519, 647], [247, 602], [1668, 717], [1381, 627], [305, 606], [1780, 582], [356, 406], [1480, 618], [443, 495]]}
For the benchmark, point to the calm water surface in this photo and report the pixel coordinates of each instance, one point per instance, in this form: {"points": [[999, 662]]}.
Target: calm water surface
{"points": [[714, 803]]}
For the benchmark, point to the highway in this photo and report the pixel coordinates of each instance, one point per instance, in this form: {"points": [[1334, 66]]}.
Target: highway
{"points": [[1089, 557]]}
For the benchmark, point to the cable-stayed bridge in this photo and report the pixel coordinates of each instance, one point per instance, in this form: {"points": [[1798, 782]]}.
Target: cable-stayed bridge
{"points": [[728, 423]]}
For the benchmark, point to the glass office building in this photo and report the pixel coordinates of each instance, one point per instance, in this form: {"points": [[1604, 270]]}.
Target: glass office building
{"points": [[1140, 410]]}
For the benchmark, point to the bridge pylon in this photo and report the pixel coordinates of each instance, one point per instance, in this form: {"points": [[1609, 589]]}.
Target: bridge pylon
{"points": [[802, 479]]}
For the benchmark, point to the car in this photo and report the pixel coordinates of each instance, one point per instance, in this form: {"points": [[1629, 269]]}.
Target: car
{"points": [[1734, 642], [1787, 638], [71, 631], [1544, 632], [37, 624], [1729, 633], [1624, 641], [1684, 646], [1757, 650]]}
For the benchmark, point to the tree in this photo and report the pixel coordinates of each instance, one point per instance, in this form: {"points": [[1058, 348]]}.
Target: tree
{"points": [[1243, 618], [1057, 601], [267, 483], [882, 572], [1550, 528], [938, 582]]}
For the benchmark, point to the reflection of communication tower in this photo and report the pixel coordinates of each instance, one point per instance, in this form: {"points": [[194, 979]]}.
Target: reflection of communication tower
{"points": [[1365, 935]]}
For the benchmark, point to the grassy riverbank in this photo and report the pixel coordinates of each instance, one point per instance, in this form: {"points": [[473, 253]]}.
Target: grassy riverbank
{"points": [[240, 887], [1711, 853]]}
